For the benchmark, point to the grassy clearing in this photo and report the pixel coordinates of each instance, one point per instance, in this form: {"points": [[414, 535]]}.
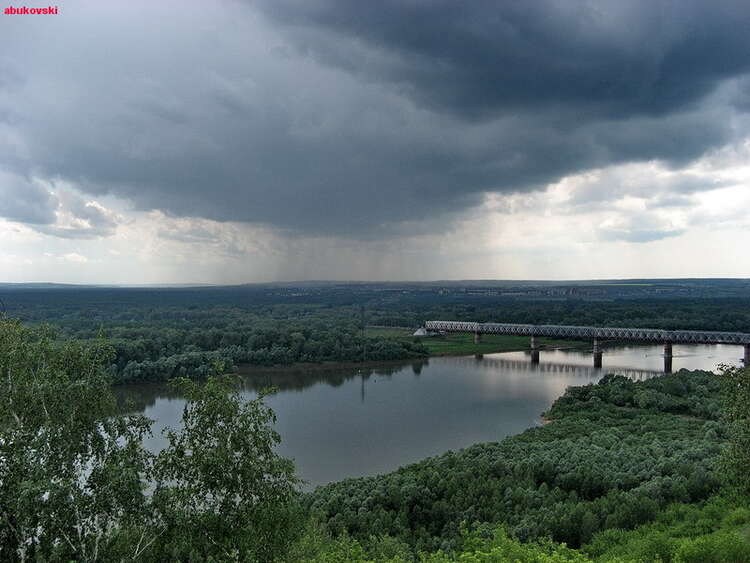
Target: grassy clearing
{"points": [[379, 332], [463, 344]]}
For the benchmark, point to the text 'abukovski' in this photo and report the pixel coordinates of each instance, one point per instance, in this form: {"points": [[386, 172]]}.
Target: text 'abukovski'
{"points": [[21, 11]]}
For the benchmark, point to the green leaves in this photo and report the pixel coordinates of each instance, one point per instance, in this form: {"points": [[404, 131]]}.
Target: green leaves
{"points": [[71, 468], [76, 482], [221, 488], [736, 456]]}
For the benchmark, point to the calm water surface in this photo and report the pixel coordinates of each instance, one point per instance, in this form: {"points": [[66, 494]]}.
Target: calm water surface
{"points": [[340, 422]]}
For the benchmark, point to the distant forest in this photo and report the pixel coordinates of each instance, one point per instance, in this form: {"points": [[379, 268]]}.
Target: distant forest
{"points": [[161, 333]]}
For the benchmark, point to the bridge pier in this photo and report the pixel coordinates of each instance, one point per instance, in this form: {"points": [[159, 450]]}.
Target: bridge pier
{"points": [[667, 357], [597, 354], [477, 338], [668, 337], [667, 349]]}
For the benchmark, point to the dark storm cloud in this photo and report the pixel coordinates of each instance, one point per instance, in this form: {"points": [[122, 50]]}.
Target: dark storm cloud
{"points": [[484, 57], [348, 118], [741, 99]]}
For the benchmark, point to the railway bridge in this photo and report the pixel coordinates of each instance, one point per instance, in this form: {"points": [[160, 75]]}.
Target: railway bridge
{"points": [[596, 334]]}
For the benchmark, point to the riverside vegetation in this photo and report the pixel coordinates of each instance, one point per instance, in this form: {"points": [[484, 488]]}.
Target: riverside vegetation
{"points": [[161, 334], [626, 471]]}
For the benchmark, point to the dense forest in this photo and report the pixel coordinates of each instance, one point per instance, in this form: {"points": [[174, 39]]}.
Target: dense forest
{"points": [[622, 471], [159, 334], [613, 457]]}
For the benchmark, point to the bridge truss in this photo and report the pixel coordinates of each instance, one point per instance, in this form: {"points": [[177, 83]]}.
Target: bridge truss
{"points": [[590, 332]]}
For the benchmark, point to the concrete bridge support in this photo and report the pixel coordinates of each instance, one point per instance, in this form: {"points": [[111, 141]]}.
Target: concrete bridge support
{"points": [[477, 338], [667, 357], [534, 350], [597, 354]]}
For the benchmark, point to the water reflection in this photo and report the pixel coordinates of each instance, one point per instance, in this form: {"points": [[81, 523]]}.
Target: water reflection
{"points": [[346, 420], [140, 396], [301, 377], [547, 367]]}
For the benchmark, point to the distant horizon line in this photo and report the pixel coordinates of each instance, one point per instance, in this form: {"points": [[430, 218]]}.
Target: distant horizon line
{"points": [[360, 282]]}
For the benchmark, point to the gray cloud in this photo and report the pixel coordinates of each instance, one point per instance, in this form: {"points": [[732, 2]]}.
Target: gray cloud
{"points": [[643, 228], [361, 120], [78, 219], [741, 96], [60, 213], [672, 201], [638, 235], [662, 190], [25, 201], [190, 235]]}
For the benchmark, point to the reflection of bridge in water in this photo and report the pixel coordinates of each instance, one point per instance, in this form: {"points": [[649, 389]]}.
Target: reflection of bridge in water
{"points": [[554, 368], [597, 334]]}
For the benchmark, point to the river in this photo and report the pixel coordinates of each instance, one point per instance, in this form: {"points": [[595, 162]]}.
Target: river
{"points": [[347, 421]]}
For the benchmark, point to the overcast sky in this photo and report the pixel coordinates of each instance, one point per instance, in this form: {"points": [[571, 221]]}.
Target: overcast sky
{"points": [[230, 142]]}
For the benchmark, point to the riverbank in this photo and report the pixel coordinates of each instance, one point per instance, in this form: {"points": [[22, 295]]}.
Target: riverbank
{"points": [[463, 344], [437, 346]]}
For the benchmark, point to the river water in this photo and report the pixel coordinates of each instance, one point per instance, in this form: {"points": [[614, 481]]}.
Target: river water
{"points": [[347, 421]]}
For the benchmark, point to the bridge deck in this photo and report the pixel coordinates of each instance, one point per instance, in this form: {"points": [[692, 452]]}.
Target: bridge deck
{"points": [[590, 332]]}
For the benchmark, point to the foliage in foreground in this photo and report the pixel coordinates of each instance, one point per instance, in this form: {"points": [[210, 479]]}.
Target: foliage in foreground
{"points": [[715, 531], [736, 460], [74, 474], [486, 544], [712, 532]]}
